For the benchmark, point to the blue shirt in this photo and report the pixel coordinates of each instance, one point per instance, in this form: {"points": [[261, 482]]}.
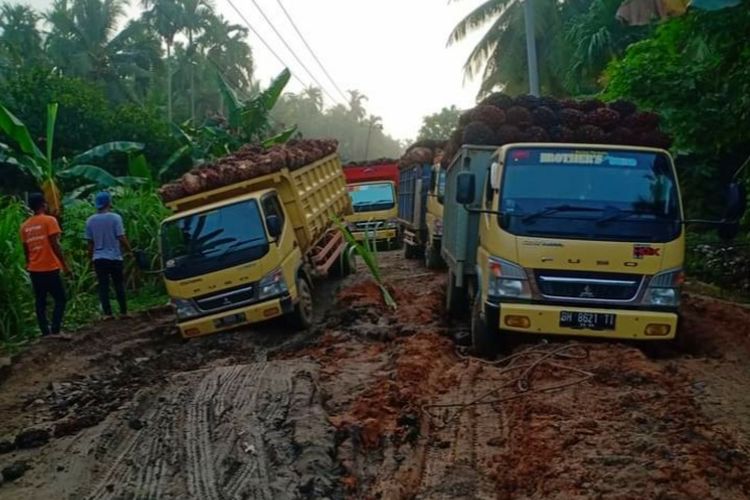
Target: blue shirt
{"points": [[104, 231]]}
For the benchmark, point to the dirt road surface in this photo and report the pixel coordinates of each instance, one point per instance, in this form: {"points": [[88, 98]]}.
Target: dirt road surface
{"points": [[374, 403]]}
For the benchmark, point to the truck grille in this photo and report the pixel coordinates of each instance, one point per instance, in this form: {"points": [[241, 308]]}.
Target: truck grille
{"points": [[588, 286], [226, 298], [371, 225]]}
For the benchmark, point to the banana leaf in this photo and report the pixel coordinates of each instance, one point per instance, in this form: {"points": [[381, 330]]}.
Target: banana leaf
{"points": [[280, 138], [17, 131], [100, 177], [138, 167], [108, 148]]}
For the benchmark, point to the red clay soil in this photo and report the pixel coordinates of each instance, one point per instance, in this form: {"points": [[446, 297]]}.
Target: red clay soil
{"points": [[716, 327]]}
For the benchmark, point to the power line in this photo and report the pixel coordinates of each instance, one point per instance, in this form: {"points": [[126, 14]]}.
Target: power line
{"points": [[294, 54], [312, 52], [270, 49]]}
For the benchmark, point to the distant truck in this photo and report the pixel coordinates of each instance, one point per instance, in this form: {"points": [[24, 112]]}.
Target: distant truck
{"points": [[420, 211], [566, 239], [249, 251], [372, 188]]}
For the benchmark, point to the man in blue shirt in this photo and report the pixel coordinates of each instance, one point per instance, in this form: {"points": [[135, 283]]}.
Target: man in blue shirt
{"points": [[106, 236]]}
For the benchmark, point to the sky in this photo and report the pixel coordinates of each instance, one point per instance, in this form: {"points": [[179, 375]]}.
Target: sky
{"points": [[393, 51]]}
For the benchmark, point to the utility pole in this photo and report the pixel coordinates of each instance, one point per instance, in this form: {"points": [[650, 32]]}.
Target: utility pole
{"points": [[528, 11]]}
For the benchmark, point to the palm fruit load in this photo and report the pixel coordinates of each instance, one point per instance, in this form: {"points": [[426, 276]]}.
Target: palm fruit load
{"points": [[246, 163], [500, 119], [428, 151], [367, 163]]}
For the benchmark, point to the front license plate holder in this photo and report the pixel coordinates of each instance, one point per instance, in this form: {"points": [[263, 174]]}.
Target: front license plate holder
{"points": [[584, 320], [232, 319]]}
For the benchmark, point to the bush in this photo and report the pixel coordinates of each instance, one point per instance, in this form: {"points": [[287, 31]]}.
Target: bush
{"points": [[724, 264], [141, 212]]}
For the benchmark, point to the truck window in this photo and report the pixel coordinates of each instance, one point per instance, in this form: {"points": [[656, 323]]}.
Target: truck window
{"points": [[215, 239], [271, 206], [489, 193], [372, 196], [604, 194], [440, 185]]}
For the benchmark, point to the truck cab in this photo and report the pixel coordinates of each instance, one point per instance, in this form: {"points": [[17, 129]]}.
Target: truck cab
{"points": [[249, 251], [373, 192], [564, 239]]}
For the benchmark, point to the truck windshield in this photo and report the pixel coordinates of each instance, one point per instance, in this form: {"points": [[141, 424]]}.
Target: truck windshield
{"points": [[596, 194], [371, 197], [209, 241]]}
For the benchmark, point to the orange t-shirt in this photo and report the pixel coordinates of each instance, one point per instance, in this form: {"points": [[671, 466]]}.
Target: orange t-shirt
{"points": [[35, 233]]}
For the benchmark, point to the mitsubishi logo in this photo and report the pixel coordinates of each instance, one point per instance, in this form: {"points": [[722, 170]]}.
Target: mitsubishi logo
{"points": [[586, 293]]}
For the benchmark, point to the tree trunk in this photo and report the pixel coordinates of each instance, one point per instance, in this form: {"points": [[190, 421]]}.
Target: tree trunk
{"points": [[192, 78], [169, 82]]}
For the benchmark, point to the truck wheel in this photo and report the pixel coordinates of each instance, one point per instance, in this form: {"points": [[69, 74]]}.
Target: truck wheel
{"points": [[303, 312], [410, 252], [455, 297], [431, 257], [484, 342]]}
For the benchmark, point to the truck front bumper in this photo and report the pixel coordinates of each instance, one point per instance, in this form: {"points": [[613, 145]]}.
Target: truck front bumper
{"points": [[378, 235], [546, 320], [227, 320]]}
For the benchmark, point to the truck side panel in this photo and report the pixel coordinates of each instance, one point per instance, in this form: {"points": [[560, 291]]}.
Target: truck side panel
{"points": [[461, 228], [407, 205]]}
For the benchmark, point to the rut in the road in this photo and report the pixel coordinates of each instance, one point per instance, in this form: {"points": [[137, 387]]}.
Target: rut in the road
{"points": [[248, 431]]}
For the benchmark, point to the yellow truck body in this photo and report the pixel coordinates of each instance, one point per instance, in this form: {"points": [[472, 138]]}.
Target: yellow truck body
{"points": [[564, 239], [248, 252]]}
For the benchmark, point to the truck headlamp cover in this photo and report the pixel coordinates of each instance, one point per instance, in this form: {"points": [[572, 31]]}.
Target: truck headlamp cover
{"points": [[506, 280], [272, 284], [185, 308], [664, 288]]}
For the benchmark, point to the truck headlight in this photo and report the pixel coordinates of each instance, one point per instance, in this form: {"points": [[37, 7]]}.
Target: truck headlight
{"points": [[390, 224], [272, 285], [664, 289], [185, 308], [507, 280]]}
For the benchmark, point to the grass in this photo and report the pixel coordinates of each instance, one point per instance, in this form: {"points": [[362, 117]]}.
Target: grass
{"points": [[142, 213]]}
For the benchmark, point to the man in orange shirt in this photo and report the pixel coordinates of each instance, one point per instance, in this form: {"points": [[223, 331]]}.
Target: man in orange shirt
{"points": [[40, 235]]}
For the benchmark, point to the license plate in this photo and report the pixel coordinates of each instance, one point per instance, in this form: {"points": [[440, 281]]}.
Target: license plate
{"points": [[587, 320], [233, 319]]}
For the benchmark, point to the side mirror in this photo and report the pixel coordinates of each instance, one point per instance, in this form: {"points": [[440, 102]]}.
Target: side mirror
{"points": [[465, 188], [273, 223]]}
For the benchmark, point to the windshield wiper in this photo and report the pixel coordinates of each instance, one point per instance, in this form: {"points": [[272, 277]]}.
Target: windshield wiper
{"points": [[622, 214], [558, 208]]}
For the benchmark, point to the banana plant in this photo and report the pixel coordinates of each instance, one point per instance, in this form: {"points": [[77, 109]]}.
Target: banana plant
{"points": [[47, 171]]}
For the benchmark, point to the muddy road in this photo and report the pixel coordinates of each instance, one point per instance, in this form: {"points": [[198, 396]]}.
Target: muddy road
{"points": [[373, 403]]}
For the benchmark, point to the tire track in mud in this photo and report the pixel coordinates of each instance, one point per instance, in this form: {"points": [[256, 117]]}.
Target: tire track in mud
{"points": [[245, 431]]}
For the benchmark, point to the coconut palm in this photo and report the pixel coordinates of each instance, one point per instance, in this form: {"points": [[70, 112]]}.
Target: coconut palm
{"points": [[20, 41], [84, 41], [164, 17], [356, 108], [195, 16], [224, 46]]}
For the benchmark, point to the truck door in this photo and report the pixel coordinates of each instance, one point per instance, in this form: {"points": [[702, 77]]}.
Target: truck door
{"points": [[289, 254]]}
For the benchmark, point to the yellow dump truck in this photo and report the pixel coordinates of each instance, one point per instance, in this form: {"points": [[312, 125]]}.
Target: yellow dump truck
{"points": [[249, 251]]}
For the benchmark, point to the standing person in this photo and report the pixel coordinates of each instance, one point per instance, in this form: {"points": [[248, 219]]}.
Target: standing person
{"points": [[106, 236], [40, 235]]}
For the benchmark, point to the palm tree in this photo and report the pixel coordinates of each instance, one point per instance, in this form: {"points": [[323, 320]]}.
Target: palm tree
{"points": [[20, 41], [224, 46], [314, 96], [356, 108], [501, 53], [195, 16], [84, 41], [164, 17]]}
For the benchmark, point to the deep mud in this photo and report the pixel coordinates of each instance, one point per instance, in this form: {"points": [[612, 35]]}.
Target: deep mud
{"points": [[377, 403]]}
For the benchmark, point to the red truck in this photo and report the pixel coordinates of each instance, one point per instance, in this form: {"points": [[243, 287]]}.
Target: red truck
{"points": [[373, 186]]}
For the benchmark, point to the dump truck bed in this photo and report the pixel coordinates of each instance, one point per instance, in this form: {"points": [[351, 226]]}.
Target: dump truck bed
{"points": [[313, 196], [411, 212]]}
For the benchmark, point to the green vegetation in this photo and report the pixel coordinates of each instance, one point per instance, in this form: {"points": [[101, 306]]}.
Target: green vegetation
{"points": [[439, 125], [142, 212]]}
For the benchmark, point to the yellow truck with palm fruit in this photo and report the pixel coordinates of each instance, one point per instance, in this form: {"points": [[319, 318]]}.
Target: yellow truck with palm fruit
{"points": [[249, 250], [567, 239], [420, 211]]}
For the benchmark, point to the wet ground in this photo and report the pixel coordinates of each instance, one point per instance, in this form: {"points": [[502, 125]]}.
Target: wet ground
{"points": [[374, 403]]}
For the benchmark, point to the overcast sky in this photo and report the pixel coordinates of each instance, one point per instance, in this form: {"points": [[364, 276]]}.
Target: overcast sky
{"points": [[394, 51]]}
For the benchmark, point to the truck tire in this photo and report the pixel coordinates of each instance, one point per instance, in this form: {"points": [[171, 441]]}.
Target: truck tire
{"points": [[302, 317], [455, 297], [431, 257], [485, 344], [410, 251]]}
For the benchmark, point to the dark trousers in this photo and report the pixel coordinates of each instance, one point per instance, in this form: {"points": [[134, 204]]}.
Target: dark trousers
{"points": [[110, 269], [48, 283]]}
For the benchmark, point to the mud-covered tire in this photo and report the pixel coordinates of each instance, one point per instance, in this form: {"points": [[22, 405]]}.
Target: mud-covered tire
{"points": [[410, 252], [432, 258], [483, 341], [302, 317], [455, 297]]}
